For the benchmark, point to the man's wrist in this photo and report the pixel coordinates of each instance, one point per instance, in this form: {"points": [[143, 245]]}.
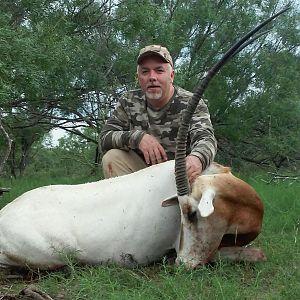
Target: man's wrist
{"points": [[135, 138], [200, 157]]}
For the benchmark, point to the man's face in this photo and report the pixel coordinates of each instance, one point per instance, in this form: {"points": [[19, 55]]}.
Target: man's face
{"points": [[156, 80]]}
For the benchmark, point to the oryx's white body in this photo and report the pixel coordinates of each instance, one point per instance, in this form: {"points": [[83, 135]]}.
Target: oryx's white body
{"points": [[114, 220]]}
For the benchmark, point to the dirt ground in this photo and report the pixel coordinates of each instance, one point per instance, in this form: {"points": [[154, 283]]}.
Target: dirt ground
{"points": [[19, 284]]}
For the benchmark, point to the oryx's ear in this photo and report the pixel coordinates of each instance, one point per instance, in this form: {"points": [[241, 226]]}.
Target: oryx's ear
{"points": [[173, 200], [206, 206]]}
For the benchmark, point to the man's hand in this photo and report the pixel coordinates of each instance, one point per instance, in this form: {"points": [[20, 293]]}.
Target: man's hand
{"points": [[193, 167], [153, 151]]}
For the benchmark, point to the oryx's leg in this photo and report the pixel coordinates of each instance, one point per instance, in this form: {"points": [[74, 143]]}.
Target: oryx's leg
{"points": [[249, 254], [245, 226]]}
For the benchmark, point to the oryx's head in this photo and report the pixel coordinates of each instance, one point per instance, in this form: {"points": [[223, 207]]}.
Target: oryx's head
{"points": [[197, 215]]}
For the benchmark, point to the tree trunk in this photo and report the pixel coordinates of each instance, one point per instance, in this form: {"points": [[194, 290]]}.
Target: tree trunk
{"points": [[8, 149]]}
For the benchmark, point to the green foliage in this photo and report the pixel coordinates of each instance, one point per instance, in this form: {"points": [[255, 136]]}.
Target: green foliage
{"points": [[73, 155], [63, 64]]}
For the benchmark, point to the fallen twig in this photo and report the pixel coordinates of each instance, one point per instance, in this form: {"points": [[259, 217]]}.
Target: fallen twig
{"points": [[276, 177], [34, 293]]}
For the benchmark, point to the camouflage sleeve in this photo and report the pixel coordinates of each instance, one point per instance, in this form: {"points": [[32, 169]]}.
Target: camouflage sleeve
{"points": [[116, 133], [203, 141]]}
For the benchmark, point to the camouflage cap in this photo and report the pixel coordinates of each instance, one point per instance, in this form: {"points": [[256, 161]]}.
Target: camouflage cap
{"points": [[157, 50]]}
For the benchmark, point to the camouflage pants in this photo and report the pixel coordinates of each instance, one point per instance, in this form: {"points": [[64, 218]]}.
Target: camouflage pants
{"points": [[116, 162]]}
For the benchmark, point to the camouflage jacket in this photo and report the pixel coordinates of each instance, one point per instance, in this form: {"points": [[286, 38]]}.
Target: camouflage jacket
{"points": [[133, 117]]}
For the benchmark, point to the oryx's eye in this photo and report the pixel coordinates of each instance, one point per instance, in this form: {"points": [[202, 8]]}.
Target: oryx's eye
{"points": [[192, 216]]}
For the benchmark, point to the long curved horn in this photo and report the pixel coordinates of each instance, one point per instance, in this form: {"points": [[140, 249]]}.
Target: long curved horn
{"points": [[180, 164]]}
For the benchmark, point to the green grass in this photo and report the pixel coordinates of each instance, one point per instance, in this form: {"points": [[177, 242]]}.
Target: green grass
{"points": [[278, 278]]}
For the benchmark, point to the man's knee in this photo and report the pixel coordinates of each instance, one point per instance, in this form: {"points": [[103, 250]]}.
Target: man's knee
{"points": [[109, 162], [111, 156], [116, 162]]}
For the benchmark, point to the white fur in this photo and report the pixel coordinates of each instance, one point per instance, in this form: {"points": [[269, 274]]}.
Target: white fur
{"points": [[115, 220]]}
